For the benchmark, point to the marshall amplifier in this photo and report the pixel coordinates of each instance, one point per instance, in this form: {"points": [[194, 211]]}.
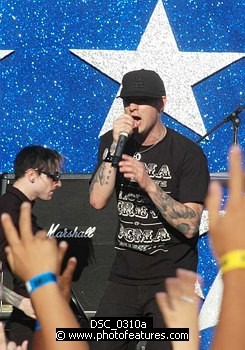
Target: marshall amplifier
{"points": [[89, 233]]}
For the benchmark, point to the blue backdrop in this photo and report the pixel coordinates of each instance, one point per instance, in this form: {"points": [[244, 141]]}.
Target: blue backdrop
{"points": [[62, 62]]}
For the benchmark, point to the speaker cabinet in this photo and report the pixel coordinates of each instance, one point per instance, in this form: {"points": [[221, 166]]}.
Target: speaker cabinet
{"points": [[89, 232]]}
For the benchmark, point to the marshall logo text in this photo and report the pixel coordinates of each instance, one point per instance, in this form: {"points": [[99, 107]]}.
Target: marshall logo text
{"points": [[55, 231]]}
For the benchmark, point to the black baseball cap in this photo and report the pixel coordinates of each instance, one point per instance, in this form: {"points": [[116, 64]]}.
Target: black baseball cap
{"points": [[142, 83]]}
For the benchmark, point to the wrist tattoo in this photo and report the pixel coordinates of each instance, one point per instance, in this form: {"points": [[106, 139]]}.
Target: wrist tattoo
{"points": [[113, 148]]}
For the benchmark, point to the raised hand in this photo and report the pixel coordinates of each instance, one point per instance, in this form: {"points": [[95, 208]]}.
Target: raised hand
{"points": [[227, 230], [29, 255], [65, 278], [179, 306]]}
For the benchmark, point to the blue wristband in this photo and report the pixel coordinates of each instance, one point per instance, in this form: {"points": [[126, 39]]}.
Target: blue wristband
{"points": [[40, 280]]}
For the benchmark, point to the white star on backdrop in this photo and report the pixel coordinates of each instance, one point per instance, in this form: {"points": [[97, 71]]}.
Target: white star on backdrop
{"points": [[5, 53], [158, 51]]}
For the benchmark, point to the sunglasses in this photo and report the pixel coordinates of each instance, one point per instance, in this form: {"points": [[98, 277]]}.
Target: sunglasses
{"points": [[140, 101], [54, 176]]}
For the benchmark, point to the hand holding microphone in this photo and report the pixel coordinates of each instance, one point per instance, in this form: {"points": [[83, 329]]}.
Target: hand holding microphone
{"points": [[126, 123], [119, 149]]}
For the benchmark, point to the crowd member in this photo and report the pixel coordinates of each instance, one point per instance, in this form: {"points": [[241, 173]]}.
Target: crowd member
{"points": [[179, 306], [228, 241], [36, 260], [161, 182], [37, 175]]}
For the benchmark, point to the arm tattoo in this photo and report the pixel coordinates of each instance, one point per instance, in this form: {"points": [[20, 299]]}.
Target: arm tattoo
{"points": [[113, 148], [183, 218], [102, 177]]}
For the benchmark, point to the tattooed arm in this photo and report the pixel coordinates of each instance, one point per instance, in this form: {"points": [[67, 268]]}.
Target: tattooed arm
{"points": [[185, 217], [102, 185], [10, 297]]}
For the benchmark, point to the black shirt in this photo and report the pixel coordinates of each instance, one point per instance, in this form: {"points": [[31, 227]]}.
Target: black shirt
{"points": [[148, 248]]}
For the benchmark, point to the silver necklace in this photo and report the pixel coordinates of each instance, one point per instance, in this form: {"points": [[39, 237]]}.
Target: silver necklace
{"points": [[137, 155]]}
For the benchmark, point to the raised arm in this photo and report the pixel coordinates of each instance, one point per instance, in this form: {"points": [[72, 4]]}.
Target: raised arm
{"points": [[103, 182], [228, 241]]}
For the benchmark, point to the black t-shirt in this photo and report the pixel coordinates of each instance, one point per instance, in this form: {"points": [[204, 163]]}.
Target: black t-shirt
{"points": [[149, 249], [10, 203]]}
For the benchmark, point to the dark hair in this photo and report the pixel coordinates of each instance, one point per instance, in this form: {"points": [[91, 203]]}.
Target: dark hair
{"points": [[36, 157]]}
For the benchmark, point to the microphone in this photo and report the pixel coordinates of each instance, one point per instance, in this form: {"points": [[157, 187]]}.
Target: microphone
{"points": [[119, 149]]}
